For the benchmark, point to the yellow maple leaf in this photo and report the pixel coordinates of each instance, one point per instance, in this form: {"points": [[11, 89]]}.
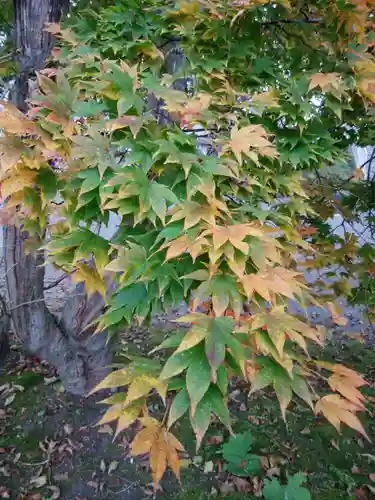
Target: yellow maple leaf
{"points": [[337, 409], [18, 181], [190, 110], [13, 121], [192, 212], [250, 141], [126, 417], [90, 276], [265, 100], [117, 378], [11, 150], [365, 78], [355, 20], [143, 385], [186, 8]]}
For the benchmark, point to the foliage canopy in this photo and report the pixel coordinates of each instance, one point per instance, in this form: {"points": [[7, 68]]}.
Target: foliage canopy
{"points": [[197, 123]]}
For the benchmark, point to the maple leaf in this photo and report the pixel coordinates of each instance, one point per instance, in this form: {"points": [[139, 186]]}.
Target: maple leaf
{"points": [[142, 386], [265, 100], [183, 244], [364, 71], [133, 122], [92, 279], [162, 447], [281, 325], [328, 82], [272, 280], [66, 34], [11, 150], [12, 121], [21, 179], [251, 141], [346, 382], [193, 212], [337, 409]]}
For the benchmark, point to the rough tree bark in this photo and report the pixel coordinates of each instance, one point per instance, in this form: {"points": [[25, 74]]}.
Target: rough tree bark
{"points": [[80, 358]]}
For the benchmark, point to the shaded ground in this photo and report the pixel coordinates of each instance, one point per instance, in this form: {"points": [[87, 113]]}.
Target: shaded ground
{"points": [[49, 447]]}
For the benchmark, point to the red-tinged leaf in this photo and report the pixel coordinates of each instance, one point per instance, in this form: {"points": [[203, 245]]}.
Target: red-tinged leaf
{"points": [[326, 81]]}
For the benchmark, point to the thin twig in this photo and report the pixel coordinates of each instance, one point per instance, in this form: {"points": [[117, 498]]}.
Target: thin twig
{"points": [[57, 282], [36, 463], [39, 300], [318, 20]]}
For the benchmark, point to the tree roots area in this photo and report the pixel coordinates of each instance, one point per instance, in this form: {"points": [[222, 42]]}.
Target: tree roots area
{"points": [[51, 447]]}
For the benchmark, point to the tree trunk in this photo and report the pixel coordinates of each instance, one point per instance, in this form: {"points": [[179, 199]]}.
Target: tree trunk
{"points": [[79, 357]]}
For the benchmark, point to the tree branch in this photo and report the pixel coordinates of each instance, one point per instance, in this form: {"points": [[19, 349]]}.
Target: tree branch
{"points": [[56, 282], [294, 21]]}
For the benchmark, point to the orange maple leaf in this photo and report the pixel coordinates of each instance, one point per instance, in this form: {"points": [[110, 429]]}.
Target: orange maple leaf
{"points": [[338, 409], [162, 447], [251, 141], [326, 81]]}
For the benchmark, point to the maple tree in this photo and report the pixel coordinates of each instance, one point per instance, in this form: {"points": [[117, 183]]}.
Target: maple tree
{"points": [[197, 125]]}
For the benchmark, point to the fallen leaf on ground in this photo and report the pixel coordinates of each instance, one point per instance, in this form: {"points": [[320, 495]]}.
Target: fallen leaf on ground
{"points": [[227, 488], [242, 484], [55, 490], [208, 467], [93, 484], [335, 445], [68, 429], [273, 471], [105, 429], [215, 439], [38, 482], [5, 471], [4, 492], [112, 466], [61, 477], [9, 400]]}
